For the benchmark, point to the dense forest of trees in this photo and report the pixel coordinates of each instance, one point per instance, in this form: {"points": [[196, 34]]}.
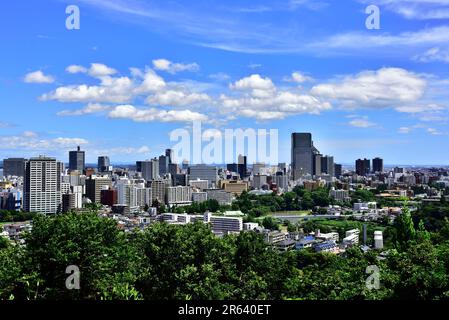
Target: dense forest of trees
{"points": [[189, 262]]}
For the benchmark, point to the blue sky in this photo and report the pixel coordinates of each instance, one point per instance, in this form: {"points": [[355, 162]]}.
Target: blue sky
{"points": [[136, 70]]}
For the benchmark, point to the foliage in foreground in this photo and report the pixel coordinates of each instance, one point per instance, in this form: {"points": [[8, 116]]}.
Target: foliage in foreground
{"points": [[189, 262]]}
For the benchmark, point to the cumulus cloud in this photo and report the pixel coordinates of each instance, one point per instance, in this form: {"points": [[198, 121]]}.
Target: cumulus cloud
{"points": [[113, 90], [76, 69], [383, 87], [32, 142], [177, 98], [170, 67], [98, 70], [152, 114], [89, 109], [253, 82], [263, 101], [299, 77], [38, 77]]}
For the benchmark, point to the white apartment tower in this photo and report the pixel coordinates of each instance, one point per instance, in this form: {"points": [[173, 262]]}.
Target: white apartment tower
{"points": [[42, 185]]}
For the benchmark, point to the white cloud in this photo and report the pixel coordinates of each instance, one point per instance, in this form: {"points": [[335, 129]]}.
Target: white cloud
{"points": [[177, 98], [113, 90], [38, 77], [299, 77], [253, 82], [152, 114], [170, 67], [151, 82], [433, 55], [76, 69], [419, 108], [89, 109], [363, 40], [32, 142], [416, 9], [99, 70], [361, 123], [383, 87]]}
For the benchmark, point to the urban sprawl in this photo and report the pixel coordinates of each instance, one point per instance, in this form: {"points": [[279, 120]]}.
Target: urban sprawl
{"points": [[160, 190]]}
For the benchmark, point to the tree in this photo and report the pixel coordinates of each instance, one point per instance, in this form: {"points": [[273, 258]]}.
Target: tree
{"points": [[103, 254], [270, 223], [405, 228]]}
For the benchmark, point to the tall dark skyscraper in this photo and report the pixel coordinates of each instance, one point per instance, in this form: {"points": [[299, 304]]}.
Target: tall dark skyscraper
{"points": [[362, 167], [327, 165], [242, 167], [77, 160], [378, 165], [302, 154], [164, 162], [103, 164], [14, 167], [338, 170], [169, 153]]}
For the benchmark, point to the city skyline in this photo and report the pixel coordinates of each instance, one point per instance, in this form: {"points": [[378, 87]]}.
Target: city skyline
{"points": [[122, 98]]}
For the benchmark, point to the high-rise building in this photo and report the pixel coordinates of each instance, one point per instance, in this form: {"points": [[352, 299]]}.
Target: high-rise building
{"points": [[204, 172], [170, 154], [14, 167], [242, 166], [104, 164], [317, 169], [150, 169], [378, 165], [164, 162], [327, 165], [77, 160], [362, 167], [302, 154], [179, 195], [94, 185], [338, 170], [42, 185]]}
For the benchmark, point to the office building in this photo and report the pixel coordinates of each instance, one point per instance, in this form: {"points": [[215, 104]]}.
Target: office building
{"points": [[108, 197], [42, 185], [317, 158], [378, 165], [77, 160], [235, 187], [150, 169], [94, 185], [302, 153], [338, 170], [14, 167], [164, 162], [204, 172], [339, 195], [104, 164], [199, 184], [179, 195], [242, 166], [362, 167], [223, 225], [199, 196], [258, 168], [223, 197], [327, 165], [170, 155]]}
